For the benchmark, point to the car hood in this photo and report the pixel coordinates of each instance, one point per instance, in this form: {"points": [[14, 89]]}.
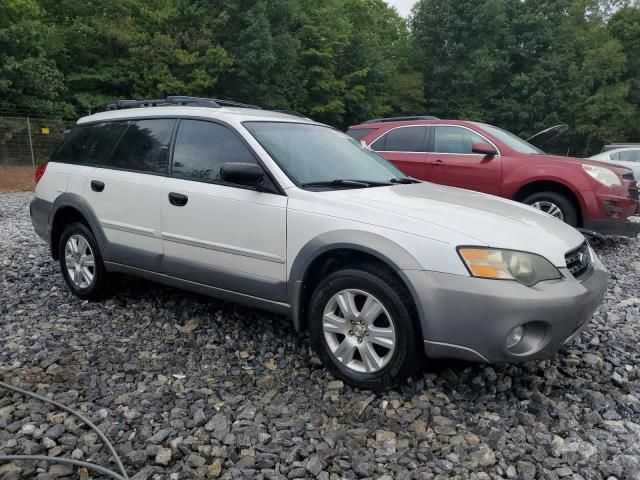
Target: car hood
{"points": [[615, 166], [548, 135], [483, 219]]}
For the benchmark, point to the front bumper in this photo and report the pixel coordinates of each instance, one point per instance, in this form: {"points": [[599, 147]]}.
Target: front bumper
{"points": [[469, 318], [607, 212]]}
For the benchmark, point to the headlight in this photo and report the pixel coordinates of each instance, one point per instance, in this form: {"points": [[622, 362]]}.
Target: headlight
{"points": [[603, 175], [526, 268]]}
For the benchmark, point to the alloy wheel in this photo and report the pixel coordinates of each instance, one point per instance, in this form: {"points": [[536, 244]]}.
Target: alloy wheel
{"points": [[550, 208], [359, 331], [79, 261]]}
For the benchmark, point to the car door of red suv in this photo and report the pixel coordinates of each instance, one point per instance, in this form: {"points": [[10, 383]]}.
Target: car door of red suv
{"points": [[451, 161], [406, 148]]}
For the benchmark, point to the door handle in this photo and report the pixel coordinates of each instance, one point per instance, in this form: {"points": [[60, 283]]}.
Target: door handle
{"points": [[97, 185], [438, 163], [178, 199]]}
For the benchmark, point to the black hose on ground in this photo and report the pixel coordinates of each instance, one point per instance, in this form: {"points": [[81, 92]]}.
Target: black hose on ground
{"points": [[9, 458]]}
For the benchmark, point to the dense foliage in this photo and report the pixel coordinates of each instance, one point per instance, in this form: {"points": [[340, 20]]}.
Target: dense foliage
{"points": [[521, 64], [527, 65]]}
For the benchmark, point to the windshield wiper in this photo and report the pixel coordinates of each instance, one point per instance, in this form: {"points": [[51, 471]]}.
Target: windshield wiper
{"points": [[404, 180], [345, 182]]}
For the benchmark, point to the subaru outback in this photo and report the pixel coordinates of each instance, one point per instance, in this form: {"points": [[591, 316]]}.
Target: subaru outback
{"points": [[282, 213]]}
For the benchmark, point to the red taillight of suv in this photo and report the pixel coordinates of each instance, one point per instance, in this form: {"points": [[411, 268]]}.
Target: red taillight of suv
{"points": [[40, 171]]}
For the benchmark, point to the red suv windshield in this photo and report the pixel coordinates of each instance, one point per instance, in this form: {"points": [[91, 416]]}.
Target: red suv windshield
{"points": [[509, 139]]}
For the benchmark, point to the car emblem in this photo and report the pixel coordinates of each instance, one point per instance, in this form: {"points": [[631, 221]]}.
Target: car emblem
{"points": [[582, 258]]}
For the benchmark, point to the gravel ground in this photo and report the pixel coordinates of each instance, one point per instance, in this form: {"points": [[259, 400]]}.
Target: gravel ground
{"points": [[189, 387]]}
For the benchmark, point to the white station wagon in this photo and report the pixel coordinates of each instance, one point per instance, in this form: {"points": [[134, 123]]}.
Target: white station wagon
{"points": [[282, 213]]}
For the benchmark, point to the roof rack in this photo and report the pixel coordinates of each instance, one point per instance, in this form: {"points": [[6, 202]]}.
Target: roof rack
{"points": [[177, 100], [231, 103], [291, 112], [402, 119]]}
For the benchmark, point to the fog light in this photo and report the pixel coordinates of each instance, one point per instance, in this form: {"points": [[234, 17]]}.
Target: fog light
{"points": [[514, 337]]}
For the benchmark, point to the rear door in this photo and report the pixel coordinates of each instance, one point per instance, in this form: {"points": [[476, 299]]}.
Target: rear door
{"points": [[215, 233], [406, 148], [125, 191], [451, 160]]}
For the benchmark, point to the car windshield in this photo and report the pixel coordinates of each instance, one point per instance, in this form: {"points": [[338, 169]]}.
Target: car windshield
{"points": [[316, 154], [512, 141]]}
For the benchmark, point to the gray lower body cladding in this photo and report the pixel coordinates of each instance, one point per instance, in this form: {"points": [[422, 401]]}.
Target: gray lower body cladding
{"points": [[470, 318], [461, 317], [40, 210]]}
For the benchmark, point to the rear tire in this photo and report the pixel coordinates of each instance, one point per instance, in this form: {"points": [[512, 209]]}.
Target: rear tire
{"points": [[555, 204], [81, 262], [372, 344]]}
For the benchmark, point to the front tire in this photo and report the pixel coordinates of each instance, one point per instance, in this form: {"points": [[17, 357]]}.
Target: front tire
{"points": [[81, 262], [361, 326], [555, 204]]}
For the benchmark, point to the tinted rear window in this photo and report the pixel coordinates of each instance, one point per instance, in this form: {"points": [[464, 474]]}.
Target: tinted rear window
{"points": [[403, 139], [144, 146], [90, 144], [360, 133]]}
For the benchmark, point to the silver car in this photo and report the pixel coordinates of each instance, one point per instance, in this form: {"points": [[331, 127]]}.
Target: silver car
{"points": [[628, 157]]}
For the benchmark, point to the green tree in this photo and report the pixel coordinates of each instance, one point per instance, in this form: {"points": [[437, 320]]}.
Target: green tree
{"points": [[30, 81], [462, 47], [265, 53], [527, 65], [133, 48]]}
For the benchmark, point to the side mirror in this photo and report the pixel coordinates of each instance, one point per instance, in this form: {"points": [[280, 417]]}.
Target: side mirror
{"points": [[249, 174], [484, 149]]}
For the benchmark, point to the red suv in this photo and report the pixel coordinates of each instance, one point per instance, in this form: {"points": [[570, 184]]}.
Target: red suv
{"points": [[583, 193]]}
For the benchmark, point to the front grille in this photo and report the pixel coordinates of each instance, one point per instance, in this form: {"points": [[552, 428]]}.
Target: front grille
{"points": [[579, 260], [635, 193]]}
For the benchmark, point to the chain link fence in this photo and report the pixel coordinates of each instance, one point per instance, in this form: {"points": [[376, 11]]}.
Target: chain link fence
{"points": [[30, 140]]}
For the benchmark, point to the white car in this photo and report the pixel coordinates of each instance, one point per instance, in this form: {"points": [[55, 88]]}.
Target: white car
{"points": [[627, 157], [292, 216]]}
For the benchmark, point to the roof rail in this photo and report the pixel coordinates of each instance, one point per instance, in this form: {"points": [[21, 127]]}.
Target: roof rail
{"points": [[177, 100], [291, 112], [231, 103], [401, 119]]}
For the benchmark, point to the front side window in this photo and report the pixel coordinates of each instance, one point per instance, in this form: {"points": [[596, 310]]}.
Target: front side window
{"points": [[201, 149], [144, 146], [90, 144], [512, 141], [402, 139], [455, 140], [314, 153]]}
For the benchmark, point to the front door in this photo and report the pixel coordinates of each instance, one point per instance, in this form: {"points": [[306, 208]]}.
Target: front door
{"points": [[452, 162], [222, 235]]}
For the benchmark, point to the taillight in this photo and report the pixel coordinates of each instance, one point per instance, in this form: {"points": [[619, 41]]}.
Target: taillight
{"points": [[40, 171]]}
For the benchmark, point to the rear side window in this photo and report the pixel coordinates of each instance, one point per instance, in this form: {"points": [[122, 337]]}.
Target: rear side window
{"points": [[201, 149], [360, 133], [90, 144], [144, 146], [403, 139], [455, 140], [629, 156]]}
